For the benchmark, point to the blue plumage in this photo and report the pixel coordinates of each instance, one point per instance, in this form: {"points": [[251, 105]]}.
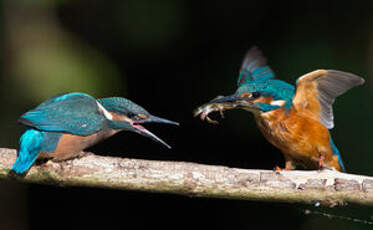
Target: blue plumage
{"points": [[65, 96], [337, 153], [32, 142], [277, 89], [286, 115], [254, 68], [65, 125], [266, 107], [256, 76], [74, 113], [121, 105], [30, 145]]}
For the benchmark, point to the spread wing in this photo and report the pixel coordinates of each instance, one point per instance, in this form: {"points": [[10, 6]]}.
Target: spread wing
{"points": [[316, 92], [254, 68], [73, 113]]}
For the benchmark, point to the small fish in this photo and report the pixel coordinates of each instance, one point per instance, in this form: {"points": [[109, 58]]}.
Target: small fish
{"points": [[204, 110]]}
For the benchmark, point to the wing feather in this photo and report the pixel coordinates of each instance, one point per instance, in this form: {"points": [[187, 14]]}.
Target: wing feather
{"points": [[316, 92], [254, 68], [76, 114]]}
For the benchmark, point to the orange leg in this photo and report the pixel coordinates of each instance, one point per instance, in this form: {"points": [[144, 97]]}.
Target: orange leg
{"points": [[330, 164], [278, 168], [322, 161], [288, 165]]}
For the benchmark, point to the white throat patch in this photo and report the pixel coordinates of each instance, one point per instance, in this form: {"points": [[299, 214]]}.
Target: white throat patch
{"points": [[278, 102], [106, 113]]}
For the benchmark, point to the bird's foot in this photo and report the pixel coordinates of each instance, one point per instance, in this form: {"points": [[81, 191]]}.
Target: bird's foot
{"points": [[321, 162], [279, 169]]}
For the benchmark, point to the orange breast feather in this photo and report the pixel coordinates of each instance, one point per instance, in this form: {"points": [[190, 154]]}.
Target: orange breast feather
{"points": [[301, 139], [70, 145]]}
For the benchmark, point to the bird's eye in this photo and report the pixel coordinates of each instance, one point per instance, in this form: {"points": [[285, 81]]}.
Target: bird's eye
{"points": [[255, 95], [130, 115]]}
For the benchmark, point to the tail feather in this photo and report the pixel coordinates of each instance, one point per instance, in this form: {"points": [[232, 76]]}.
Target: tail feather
{"points": [[30, 144]]}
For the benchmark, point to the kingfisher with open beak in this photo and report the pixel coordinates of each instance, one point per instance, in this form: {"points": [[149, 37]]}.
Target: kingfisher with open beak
{"points": [[294, 119], [63, 126]]}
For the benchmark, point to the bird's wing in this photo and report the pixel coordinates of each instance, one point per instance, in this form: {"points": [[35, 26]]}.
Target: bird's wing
{"points": [[74, 113], [254, 68], [316, 92]]}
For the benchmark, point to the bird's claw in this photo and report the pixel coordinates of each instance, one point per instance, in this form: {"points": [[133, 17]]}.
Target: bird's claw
{"points": [[279, 169]]}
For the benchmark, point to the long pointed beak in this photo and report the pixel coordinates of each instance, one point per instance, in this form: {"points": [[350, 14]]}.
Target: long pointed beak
{"points": [[154, 119], [141, 130], [231, 98]]}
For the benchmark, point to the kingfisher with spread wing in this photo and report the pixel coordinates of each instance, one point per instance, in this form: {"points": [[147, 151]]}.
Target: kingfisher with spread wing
{"points": [[294, 119]]}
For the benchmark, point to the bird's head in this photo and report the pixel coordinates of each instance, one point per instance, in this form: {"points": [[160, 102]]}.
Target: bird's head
{"points": [[258, 90], [126, 115], [257, 96]]}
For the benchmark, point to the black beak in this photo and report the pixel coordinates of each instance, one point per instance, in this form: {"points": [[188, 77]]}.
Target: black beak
{"points": [[141, 130], [237, 101], [154, 119], [231, 98]]}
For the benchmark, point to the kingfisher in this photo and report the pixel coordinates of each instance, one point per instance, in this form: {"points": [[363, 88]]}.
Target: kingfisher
{"points": [[297, 119], [63, 126]]}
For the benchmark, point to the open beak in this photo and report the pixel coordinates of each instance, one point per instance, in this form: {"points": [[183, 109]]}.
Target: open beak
{"points": [[143, 131], [154, 119]]}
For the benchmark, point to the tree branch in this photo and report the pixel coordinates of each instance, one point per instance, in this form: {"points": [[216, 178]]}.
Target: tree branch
{"points": [[329, 188]]}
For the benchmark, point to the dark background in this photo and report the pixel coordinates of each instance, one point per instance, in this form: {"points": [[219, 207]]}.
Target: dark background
{"points": [[170, 57]]}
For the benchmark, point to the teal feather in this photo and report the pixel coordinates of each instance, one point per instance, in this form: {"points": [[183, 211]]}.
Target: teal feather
{"points": [[50, 142], [277, 89], [64, 96], [30, 145], [257, 76], [254, 68], [74, 113], [266, 107], [121, 105], [32, 142]]}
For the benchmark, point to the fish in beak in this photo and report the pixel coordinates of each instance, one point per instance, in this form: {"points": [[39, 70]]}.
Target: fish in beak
{"points": [[221, 104]]}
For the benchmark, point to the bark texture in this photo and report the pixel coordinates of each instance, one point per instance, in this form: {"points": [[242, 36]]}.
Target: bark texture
{"points": [[326, 187]]}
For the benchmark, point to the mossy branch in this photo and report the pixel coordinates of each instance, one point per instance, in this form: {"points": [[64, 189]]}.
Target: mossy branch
{"points": [[329, 188]]}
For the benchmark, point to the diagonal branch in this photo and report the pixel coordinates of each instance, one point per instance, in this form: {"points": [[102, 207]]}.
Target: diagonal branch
{"points": [[326, 187]]}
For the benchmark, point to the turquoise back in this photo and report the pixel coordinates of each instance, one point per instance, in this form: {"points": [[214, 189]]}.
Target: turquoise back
{"points": [[74, 113]]}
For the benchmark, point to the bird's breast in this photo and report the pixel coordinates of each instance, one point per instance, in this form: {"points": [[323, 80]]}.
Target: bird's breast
{"points": [[294, 134], [274, 126], [70, 145]]}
